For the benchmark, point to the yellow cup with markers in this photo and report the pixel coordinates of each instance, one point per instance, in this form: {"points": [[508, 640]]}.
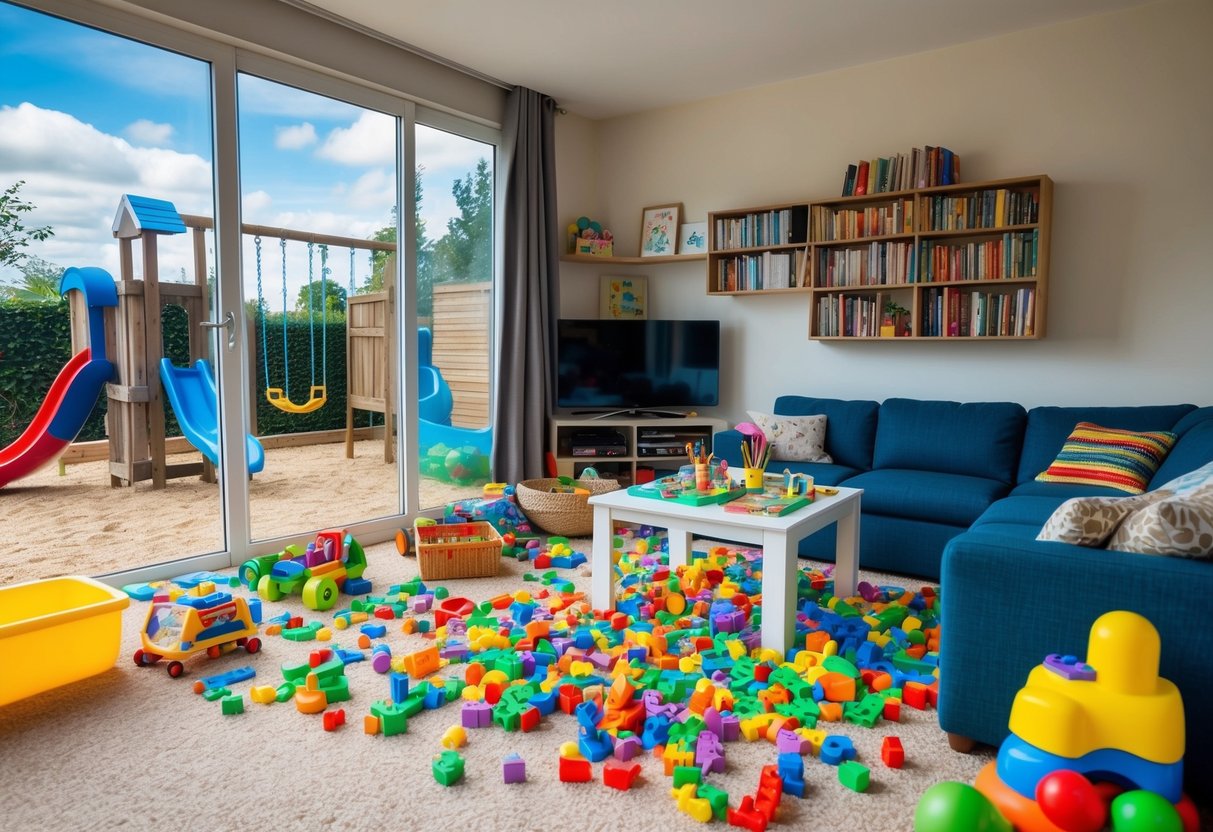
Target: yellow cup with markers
{"points": [[753, 479]]}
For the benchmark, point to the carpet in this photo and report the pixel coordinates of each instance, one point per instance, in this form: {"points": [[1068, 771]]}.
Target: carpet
{"points": [[133, 748]]}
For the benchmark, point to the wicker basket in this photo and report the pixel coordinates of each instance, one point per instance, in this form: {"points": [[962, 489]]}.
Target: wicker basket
{"points": [[565, 514], [457, 550]]}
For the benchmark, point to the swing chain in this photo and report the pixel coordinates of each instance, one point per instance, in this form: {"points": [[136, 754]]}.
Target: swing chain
{"points": [[265, 363]]}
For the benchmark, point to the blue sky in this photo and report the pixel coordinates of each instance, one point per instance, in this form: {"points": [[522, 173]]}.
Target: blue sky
{"points": [[86, 116]]}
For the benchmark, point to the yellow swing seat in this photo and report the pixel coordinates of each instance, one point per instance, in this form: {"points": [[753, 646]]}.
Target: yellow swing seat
{"points": [[317, 396]]}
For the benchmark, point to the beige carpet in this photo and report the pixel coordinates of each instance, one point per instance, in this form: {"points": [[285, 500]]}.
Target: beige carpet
{"points": [[134, 749]]}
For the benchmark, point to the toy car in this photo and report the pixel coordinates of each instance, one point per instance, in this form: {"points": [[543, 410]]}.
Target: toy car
{"points": [[317, 573], [214, 623]]}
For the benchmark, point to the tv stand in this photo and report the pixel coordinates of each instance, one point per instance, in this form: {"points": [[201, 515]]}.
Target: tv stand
{"points": [[653, 445], [633, 414]]}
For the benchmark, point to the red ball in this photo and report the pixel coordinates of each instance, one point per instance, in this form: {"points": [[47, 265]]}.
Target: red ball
{"points": [[1070, 801], [508, 538]]}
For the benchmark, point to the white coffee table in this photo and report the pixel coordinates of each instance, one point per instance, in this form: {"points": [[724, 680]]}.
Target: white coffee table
{"points": [[779, 538]]}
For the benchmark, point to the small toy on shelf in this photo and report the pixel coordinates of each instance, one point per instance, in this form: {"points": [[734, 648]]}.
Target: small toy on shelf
{"points": [[201, 621], [587, 236]]}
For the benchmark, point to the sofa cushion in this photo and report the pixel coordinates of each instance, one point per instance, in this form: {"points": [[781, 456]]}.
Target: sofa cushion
{"points": [[1048, 428], [952, 499], [1179, 524], [1026, 511], [976, 439], [794, 438], [1059, 491], [1193, 449], [1121, 459], [1090, 521], [850, 428]]}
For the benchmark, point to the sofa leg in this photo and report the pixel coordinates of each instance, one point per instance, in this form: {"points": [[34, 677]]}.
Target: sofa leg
{"points": [[960, 743]]}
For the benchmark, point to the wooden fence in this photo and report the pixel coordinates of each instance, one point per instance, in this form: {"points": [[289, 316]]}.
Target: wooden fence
{"points": [[462, 316]]}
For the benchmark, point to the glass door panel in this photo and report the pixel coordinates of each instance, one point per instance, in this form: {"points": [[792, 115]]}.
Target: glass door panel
{"points": [[106, 160], [318, 183]]}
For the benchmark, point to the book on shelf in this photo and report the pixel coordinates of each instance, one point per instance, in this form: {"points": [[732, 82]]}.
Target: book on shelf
{"points": [[861, 179], [920, 168]]}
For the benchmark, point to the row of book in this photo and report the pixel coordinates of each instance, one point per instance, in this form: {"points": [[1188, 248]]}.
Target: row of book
{"points": [[920, 168], [768, 270], [763, 228], [993, 208], [851, 316], [957, 312], [876, 264], [1012, 255], [895, 217]]}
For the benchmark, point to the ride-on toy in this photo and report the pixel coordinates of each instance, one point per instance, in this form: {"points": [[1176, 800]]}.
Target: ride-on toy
{"points": [[317, 573], [211, 622]]}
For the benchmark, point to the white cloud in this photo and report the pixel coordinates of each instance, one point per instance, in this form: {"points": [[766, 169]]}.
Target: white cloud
{"points": [[149, 133], [255, 204], [295, 137], [371, 140], [439, 151], [372, 191]]}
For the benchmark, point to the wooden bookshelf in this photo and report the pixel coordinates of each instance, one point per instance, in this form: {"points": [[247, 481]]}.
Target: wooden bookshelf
{"points": [[969, 261], [760, 250], [629, 261]]}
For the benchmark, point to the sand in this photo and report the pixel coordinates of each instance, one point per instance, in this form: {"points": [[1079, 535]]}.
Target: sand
{"points": [[77, 525]]}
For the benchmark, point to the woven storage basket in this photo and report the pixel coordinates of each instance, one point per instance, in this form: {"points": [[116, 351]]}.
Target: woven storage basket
{"points": [[565, 514], [457, 550]]}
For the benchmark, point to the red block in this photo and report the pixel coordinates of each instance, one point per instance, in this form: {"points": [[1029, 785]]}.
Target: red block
{"points": [[334, 719], [892, 709], [574, 770], [892, 753], [528, 720], [762, 672], [745, 817], [620, 775], [914, 694], [569, 697], [492, 692]]}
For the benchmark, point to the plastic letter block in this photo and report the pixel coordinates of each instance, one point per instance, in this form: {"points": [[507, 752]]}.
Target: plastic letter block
{"points": [[448, 768], [575, 770], [334, 719], [513, 769], [620, 775], [836, 749], [854, 776], [232, 705], [892, 753], [686, 774]]}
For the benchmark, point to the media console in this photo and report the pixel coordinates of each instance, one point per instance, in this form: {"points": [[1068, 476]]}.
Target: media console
{"points": [[631, 450]]}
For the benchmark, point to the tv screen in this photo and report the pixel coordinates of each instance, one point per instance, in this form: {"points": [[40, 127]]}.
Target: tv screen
{"points": [[637, 365]]}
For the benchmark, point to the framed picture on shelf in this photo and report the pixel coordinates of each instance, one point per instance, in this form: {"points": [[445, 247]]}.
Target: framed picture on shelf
{"points": [[623, 297], [659, 230], [693, 238]]}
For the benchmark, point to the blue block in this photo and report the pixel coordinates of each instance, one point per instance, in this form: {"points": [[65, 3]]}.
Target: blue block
{"points": [[583, 639], [357, 586], [206, 601], [793, 786], [222, 680], [373, 630], [281, 618], [254, 609], [545, 702], [595, 746], [656, 731], [837, 748], [140, 592], [435, 697], [399, 687]]}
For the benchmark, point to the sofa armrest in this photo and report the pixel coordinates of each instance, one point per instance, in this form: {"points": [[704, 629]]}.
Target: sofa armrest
{"points": [[1008, 601]]}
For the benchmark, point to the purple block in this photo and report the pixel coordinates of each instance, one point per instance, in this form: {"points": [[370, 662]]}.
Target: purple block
{"points": [[513, 769], [454, 651], [561, 645], [789, 742], [602, 661], [456, 627], [709, 753], [730, 727], [528, 662], [1069, 667], [627, 748], [476, 715], [712, 722]]}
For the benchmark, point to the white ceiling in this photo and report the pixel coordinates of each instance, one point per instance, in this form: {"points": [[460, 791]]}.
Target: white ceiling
{"points": [[617, 57]]}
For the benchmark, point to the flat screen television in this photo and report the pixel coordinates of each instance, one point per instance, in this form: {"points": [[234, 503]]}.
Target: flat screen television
{"points": [[637, 366]]}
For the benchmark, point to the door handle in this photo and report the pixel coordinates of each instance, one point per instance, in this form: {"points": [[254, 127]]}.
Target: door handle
{"points": [[228, 323]]}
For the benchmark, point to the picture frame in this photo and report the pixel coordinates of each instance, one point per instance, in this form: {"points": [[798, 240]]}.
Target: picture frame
{"points": [[693, 238], [623, 297], [659, 230]]}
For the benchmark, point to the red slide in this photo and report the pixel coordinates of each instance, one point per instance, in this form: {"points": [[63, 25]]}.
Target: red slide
{"points": [[74, 389]]}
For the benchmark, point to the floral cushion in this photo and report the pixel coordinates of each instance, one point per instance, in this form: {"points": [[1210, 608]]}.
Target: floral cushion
{"points": [[1089, 521], [794, 438], [1109, 457], [1181, 524]]}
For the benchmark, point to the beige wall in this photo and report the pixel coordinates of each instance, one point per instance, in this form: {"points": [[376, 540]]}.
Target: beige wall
{"points": [[1117, 109]]}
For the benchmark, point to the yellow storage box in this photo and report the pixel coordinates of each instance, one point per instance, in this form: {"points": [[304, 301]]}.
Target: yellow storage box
{"points": [[56, 631]]}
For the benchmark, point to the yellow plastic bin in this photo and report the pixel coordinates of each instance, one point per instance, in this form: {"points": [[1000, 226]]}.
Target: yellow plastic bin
{"points": [[56, 631]]}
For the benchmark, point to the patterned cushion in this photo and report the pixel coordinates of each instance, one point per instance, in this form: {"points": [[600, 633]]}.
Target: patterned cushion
{"points": [[1120, 459], [794, 438], [1189, 481], [1178, 525], [1089, 521]]}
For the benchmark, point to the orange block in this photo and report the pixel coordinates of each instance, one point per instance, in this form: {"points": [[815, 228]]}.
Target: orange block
{"points": [[422, 663], [474, 673], [830, 711], [816, 641], [370, 724], [838, 687]]}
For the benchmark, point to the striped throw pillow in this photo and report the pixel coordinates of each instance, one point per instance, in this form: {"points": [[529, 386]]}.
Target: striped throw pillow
{"points": [[1113, 458]]}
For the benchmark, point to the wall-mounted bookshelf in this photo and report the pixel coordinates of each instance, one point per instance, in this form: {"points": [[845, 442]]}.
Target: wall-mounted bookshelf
{"points": [[629, 261]]}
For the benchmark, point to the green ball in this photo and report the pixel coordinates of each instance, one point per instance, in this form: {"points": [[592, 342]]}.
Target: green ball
{"points": [[957, 807], [596, 226], [583, 223], [1142, 811]]}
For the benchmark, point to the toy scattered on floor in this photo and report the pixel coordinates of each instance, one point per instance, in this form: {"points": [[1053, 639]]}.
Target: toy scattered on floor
{"points": [[201, 621], [1069, 722], [333, 561], [498, 506], [463, 465]]}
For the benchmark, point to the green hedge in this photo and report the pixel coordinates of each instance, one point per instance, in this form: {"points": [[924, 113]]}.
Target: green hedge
{"points": [[35, 344]]}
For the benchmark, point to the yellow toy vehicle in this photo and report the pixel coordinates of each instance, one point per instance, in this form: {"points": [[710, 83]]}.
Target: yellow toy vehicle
{"points": [[214, 623]]}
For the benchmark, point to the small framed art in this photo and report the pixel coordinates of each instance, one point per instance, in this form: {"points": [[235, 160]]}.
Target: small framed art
{"points": [[659, 230], [623, 297], [693, 238]]}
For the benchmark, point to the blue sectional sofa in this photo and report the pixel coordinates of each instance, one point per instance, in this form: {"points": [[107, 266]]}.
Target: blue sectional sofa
{"points": [[950, 494]]}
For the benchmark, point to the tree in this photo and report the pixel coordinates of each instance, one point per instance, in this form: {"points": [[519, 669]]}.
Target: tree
{"points": [[465, 253], [334, 297], [39, 282], [425, 253], [14, 236]]}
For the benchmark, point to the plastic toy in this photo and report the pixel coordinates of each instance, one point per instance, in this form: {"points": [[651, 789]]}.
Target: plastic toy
{"points": [[203, 621], [317, 573]]}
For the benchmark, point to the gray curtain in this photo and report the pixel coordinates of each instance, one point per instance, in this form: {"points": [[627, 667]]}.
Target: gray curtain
{"points": [[530, 288]]}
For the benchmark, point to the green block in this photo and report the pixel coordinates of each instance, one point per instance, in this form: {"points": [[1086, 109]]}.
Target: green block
{"points": [[392, 718], [296, 672], [854, 776], [336, 688], [448, 768], [511, 666], [328, 670], [508, 719], [866, 712], [215, 693], [441, 593], [686, 774], [232, 705], [285, 693], [837, 664], [454, 689], [718, 799], [746, 706], [305, 633]]}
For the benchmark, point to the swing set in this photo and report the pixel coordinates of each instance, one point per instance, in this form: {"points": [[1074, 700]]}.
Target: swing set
{"points": [[317, 393]]}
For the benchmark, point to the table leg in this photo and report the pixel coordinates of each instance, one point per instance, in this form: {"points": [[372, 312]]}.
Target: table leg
{"points": [[846, 553], [680, 547], [779, 575], [602, 581]]}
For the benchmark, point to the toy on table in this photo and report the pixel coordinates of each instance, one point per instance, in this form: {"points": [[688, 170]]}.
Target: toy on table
{"points": [[332, 562], [683, 487], [201, 621], [1112, 718]]}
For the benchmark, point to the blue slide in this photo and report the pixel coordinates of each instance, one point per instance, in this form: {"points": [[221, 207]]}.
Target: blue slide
{"points": [[192, 393]]}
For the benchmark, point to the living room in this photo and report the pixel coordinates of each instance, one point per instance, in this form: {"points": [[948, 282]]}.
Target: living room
{"points": [[1109, 102]]}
